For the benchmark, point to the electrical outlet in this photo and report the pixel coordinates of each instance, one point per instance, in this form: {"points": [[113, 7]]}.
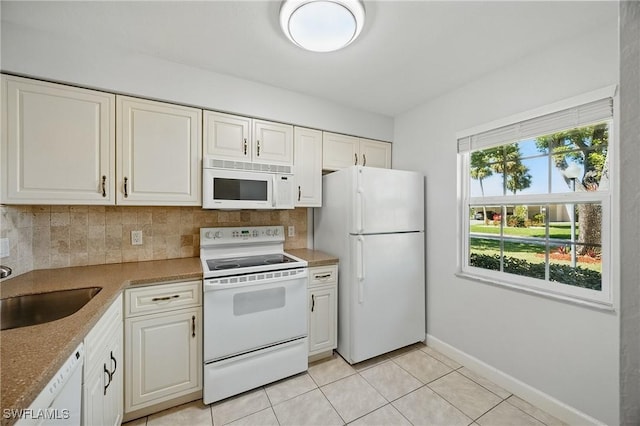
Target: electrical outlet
{"points": [[292, 231], [136, 238]]}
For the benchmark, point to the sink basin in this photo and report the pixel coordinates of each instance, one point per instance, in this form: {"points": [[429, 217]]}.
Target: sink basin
{"points": [[33, 309]]}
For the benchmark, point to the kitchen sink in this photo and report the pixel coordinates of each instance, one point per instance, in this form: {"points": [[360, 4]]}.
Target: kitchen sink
{"points": [[33, 309]]}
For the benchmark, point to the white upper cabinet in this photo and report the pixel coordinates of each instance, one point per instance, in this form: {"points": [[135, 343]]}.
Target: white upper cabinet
{"points": [[307, 167], [57, 143], [340, 151], [227, 136], [375, 153], [158, 153], [272, 142], [232, 137]]}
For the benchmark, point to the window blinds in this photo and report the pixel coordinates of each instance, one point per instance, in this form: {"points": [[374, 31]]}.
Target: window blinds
{"points": [[570, 118]]}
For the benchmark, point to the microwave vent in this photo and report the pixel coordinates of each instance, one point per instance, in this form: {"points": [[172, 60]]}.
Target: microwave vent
{"points": [[242, 165]]}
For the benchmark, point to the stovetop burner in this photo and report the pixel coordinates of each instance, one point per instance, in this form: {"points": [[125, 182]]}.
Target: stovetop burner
{"points": [[227, 266]]}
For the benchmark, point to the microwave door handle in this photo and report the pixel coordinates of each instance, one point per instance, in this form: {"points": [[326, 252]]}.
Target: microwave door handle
{"points": [[273, 191]]}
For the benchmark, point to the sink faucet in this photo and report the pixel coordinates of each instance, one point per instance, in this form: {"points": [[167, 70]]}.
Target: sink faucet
{"points": [[5, 271]]}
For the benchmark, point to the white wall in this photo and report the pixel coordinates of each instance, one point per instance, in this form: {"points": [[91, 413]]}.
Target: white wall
{"points": [[37, 54], [630, 206], [566, 351]]}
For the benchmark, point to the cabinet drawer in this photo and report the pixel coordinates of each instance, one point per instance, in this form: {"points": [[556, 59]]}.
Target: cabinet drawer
{"points": [[323, 275], [162, 297]]}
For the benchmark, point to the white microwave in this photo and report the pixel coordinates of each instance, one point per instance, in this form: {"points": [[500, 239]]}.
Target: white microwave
{"points": [[241, 189]]}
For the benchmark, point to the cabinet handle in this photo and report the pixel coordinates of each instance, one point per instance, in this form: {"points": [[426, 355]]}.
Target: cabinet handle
{"points": [[165, 298], [193, 326], [104, 186], [115, 365], [109, 376], [299, 192], [245, 146], [313, 302], [355, 163], [364, 159], [126, 192], [258, 153], [322, 277]]}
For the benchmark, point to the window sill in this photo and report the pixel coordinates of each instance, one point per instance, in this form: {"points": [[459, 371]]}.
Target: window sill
{"points": [[600, 306]]}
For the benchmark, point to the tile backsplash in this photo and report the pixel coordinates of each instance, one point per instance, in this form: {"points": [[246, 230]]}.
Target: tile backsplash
{"points": [[42, 237]]}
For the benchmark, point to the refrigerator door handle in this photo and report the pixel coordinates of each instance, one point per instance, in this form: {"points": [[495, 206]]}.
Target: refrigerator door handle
{"points": [[359, 209], [360, 268]]}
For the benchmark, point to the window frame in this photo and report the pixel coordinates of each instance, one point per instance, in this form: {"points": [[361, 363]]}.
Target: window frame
{"points": [[600, 299]]}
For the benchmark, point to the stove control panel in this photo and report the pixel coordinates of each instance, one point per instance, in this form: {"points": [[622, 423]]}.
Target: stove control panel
{"points": [[235, 235]]}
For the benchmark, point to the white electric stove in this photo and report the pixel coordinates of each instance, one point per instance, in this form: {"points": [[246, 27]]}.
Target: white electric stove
{"points": [[255, 316]]}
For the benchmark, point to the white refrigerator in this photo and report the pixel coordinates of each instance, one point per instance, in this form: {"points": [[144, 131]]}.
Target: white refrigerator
{"points": [[372, 219]]}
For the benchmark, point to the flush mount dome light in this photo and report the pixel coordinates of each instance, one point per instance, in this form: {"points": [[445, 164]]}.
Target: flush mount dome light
{"points": [[322, 25]]}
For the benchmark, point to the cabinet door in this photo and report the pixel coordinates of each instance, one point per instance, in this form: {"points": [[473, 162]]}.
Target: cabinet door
{"points": [[93, 397], [158, 153], [375, 153], [57, 144], [227, 136], [307, 167], [272, 143], [339, 151], [103, 370], [113, 406], [163, 357], [322, 319]]}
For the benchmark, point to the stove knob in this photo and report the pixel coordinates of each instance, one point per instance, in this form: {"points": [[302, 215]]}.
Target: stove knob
{"points": [[276, 231], [268, 232], [208, 234], [218, 234]]}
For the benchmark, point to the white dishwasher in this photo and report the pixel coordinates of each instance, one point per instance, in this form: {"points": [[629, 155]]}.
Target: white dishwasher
{"points": [[60, 401]]}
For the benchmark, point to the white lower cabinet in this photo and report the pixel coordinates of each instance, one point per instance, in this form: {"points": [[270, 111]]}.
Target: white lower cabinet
{"points": [[163, 344], [323, 314], [103, 370]]}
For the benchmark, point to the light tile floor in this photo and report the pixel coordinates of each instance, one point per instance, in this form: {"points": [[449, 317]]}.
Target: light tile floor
{"points": [[415, 385]]}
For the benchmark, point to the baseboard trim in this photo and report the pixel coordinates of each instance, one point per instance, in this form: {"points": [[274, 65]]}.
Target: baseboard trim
{"points": [[551, 405]]}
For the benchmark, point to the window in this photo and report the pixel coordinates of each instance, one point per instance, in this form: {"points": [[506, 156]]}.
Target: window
{"points": [[535, 205]]}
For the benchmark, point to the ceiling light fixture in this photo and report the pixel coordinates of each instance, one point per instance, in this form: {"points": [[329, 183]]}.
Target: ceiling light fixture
{"points": [[322, 25]]}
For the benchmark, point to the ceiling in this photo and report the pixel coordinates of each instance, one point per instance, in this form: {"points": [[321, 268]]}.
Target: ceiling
{"points": [[409, 51]]}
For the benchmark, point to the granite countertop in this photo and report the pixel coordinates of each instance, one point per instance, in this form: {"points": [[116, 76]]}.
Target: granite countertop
{"points": [[314, 257], [32, 355]]}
